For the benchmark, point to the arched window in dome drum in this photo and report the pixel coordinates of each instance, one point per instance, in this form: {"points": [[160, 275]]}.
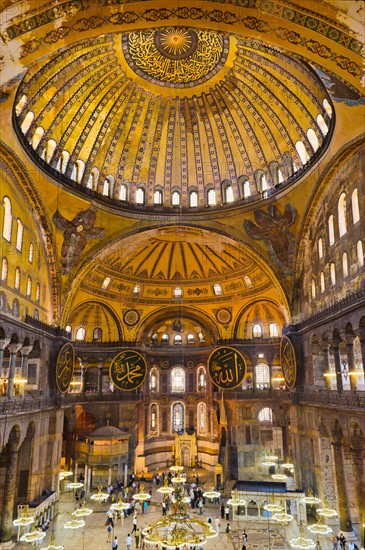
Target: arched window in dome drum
{"points": [[123, 192], [178, 292], [190, 338], [157, 196], [342, 224], [355, 206], [27, 122], [312, 138], [8, 219], [65, 157], [217, 288], [106, 283], [193, 199], [211, 198], [92, 182], [322, 125], [302, 152], [227, 192], [257, 331], [327, 107], [80, 334], [178, 417], [273, 330], [177, 339], [37, 136], [97, 334], [21, 104], [140, 195], [50, 149], [175, 198], [165, 338]]}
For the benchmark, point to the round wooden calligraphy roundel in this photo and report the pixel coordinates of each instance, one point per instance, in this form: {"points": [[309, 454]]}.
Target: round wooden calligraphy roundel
{"points": [[226, 367], [288, 362], [65, 367], [128, 370]]}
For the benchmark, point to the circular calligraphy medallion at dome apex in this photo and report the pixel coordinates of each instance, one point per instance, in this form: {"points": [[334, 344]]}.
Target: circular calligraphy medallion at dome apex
{"points": [[175, 56]]}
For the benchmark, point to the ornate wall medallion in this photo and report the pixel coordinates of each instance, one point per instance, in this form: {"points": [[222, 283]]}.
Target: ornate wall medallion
{"points": [[65, 367], [176, 56], [288, 362], [128, 370], [131, 317], [224, 316], [226, 367]]}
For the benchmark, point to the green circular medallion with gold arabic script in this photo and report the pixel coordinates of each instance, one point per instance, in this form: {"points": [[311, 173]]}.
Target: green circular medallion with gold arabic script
{"points": [[175, 56], [288, 362], [226, 367], [65, 367], [128, 370]]}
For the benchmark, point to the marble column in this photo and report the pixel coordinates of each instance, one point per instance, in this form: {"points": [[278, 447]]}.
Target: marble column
{"points": [[337, 358], [3, 343], [326, 363], [357, 459], [13, 348], [343, 501], [25, 351], [83, 378], [6, 528], [351, 359]]}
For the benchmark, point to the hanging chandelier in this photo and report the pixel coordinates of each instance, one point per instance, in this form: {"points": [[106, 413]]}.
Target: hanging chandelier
{"points": [[25, 518], [279, 477], [236, 500], [82, 512], [52, 545], [166, 490], [273, 507], [302, 542], [282, 517], [142, 496], [178, 528], [74, 524], [120, 505], [326, 511], [33, 536], [211, 494], [310, 498], [100, 496], [74, 485]]}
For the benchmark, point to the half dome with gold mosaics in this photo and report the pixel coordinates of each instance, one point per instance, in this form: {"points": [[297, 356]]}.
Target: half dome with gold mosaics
{"points": [[155, 120]]}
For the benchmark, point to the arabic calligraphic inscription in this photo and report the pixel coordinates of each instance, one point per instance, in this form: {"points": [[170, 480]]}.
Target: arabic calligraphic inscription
{"points": [[226, 367], [176, 56], [288, 362], [128, 370], [65, 367]]}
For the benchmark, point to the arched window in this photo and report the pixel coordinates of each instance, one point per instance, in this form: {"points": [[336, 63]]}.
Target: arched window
{"points": [[153, 380], [228, 193], [262, 376], [201, 337], [211, 200], [38, 292], [323, 286], [4, 270], [312, 138], [177, 417], [345, 266], [97, 334], [322, 125], [217, 289], [280, 176], [106, 283], [265, 415], [157, 197], [16, 308], [154, 338], [333, 274], [248, 281], [202, 418], [50, 149], [177, 339], [320, 249], [273, 330], [202, 379], [65, 157], [178, 380], [31, 253], [20, 105], [177, 292], [193, 199], [17, 278], [342, 226], [19, 235], [360, 253], [257, 331], [153, 418], [313, 288], [245, 188], [29, 286], [327, 107], [355, 206], [302, 152], [106, 188], [137, 290], [92, 182], [37, 136], [140, 195], [8, 219], [123, 192], [331, 230], [264, 186], [68, 328], [190, 338], [175, 198], [165, 338], [80, 334], [27, 122]]}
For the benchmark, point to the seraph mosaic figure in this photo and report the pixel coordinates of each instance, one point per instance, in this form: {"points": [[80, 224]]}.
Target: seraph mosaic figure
{"points": [[76, 233]]}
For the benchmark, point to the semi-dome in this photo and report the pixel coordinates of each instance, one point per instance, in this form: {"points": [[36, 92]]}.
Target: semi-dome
{"points": [[173, 117]]}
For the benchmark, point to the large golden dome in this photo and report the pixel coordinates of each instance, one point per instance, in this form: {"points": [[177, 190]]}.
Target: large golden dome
{"points": [[172, 117]]}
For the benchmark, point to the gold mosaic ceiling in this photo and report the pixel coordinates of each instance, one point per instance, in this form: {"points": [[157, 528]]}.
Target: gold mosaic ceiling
{"points": [[170, 109]]}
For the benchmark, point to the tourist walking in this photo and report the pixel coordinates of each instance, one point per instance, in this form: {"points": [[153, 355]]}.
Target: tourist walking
{"points": [[136, 537], [115, 543], [128, 541]]}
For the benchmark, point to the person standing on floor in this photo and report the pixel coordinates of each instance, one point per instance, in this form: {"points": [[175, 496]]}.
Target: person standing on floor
{"points": [[128, 541], [136, 536], [134, 522], [109, 533], [222, 510], [115, 543], [226, 511]]}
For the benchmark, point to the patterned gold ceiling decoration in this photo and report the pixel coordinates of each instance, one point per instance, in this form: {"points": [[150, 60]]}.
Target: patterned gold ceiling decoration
{"points": [[176, 56], [90, 121]]}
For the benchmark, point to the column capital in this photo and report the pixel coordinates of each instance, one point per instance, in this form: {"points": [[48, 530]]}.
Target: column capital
{"points": [[4, 342], [335, 342], [25, 350], [349, 338], [14, 348]]}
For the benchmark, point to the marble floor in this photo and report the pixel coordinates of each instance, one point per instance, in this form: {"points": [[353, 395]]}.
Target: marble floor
{"points": [[261, 535]]}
